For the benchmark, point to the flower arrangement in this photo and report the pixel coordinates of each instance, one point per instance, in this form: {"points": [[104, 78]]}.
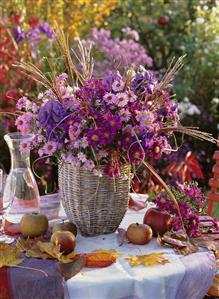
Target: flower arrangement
{"points": [[102, 124]]}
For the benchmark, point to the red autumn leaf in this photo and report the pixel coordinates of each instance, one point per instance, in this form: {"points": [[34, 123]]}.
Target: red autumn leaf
{"points": [[186, 168], [137, 205], [97, 260]]}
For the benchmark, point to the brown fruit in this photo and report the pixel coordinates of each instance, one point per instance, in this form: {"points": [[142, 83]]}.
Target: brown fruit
{"points": [[139, 234], [66, 226], [159, 221], [33, 225], [65, 239]]}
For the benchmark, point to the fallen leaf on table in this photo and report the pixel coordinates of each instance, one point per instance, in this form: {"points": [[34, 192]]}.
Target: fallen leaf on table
{"points": [[43, 250], [137, 205], [151, 259], [183, 246], [97, 260], [9, 255], [71, 269], [121, 236], [113, 252], [209, 241]]}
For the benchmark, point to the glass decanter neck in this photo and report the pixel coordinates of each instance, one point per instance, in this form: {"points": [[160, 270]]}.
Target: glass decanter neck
{"points": [[18, 159]]}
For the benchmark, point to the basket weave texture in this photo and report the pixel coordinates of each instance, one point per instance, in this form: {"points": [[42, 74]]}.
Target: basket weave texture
{"points": [[95, 204]]}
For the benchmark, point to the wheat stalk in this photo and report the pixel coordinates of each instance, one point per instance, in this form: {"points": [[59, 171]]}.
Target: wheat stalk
{"points": [[191, 131]]}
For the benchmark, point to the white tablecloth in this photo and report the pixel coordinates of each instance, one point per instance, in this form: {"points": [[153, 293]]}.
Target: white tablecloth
{"points": [[121, 281]]}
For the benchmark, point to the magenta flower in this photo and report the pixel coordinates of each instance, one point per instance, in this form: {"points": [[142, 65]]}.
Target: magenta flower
{"points": [[112, 169], [112, 121], [136, 154], [94, 137]]}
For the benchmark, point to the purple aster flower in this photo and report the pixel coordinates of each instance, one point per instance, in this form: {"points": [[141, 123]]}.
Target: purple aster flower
{"points": [[50, 147], [24, 146], [51, 114], [46, 29], [118, 85], [19, 34]]}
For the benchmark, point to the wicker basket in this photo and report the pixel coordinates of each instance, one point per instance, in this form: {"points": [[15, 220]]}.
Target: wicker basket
{"points": [[96, 205]]}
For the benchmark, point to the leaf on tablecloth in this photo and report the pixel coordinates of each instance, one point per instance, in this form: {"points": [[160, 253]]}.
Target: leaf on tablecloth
{"points": [[121, 236], [183, 246], [151, 259], [209, 241], [97, 260], [113, 252], [71, 269], [43, 250], [9, 256], [137, 205]]}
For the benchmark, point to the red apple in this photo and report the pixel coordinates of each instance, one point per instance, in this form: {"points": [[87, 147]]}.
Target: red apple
{"points": [[159, 221], [163, 20], [139, 234], [65, 239], [65, 225]]}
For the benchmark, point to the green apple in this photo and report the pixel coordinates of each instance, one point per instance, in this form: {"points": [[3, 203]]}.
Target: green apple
{"points": [[33, 225]]}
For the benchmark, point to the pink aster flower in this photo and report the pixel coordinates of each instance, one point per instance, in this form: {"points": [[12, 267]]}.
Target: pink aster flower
{"points": [[121, 99], [24, 146], [89, 165], [131, 96], [83, 142], [21, 104], [125, 114], [82, 157], [118, 85], [50, 147], [60, 80], [109, 98], [20, 122]]}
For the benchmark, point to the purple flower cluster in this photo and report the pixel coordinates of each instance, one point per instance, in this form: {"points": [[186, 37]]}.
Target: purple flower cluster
{"points": [[34, 35], [119, 53], [191, 203], [102, 124]]}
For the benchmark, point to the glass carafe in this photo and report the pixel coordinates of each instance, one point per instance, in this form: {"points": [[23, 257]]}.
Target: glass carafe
{"points": [[21, 193]]}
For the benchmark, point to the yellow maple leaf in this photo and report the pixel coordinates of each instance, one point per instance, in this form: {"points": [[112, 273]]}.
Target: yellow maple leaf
{"points": [[9, 255], [43, 250], [113, 252], [151, 259]]}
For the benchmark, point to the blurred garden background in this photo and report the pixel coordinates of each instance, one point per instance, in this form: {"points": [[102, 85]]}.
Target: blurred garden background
{"points": [[130, 32]]}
